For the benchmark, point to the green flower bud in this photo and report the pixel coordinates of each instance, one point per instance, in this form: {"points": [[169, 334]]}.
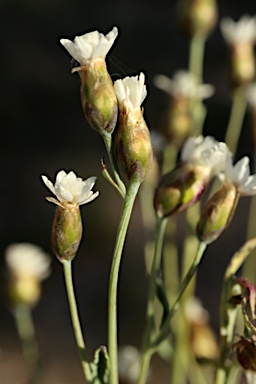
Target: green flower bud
{"points": [[217, 213], [197, 17], [246, 353], [98, 97], [97, 93], [133, 145], [179, 189], [66, 231]]}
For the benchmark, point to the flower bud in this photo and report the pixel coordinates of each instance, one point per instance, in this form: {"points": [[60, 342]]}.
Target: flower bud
{"points": [[97, 92], [66, 231], [246, 353], [133, 145], [201, 159], [197, 17], [179, 189], [24, 290], [98, 97], [217, 213]]}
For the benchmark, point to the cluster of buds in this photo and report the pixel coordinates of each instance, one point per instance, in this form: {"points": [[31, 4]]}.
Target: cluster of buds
{"points": [[240, 36], [100, 100], [201, 159], [219, 210], [71, 192], [27, 265], [197, 17], [183, 90]]}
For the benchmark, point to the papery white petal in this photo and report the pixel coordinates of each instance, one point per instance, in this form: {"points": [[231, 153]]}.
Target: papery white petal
{"points": [[48, 184], [239, 175], [242, 31], [131, 91]]}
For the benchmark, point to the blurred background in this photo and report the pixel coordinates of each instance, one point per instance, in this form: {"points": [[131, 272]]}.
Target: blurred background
{"points": [[44, 131]]}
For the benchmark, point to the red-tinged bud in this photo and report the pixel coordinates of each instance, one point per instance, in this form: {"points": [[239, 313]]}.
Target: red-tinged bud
{"points": [[66, 231], [217, 213], [246, 353]]}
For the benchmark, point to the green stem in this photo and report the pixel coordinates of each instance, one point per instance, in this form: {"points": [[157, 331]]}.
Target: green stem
{"points": [[196, 57], [26, 331], [236, 119], [164, 329], [147, 352], [121, 234], [111, 155], [67, 266]]}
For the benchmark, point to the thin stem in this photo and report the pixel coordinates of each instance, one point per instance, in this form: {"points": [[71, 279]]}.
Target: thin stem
{"points": [[201, 248], [236, 119], [111, 155], [196, 57], [26, 331], [67, 266], [146, 354], [121, 234]]}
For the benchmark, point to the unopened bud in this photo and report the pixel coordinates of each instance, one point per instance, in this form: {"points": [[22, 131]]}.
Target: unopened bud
{"points": [[246, 353], [197, 17], [66, 231], [98, 97], [133, 145], [242, 63], [217, 213], [179, 189]]}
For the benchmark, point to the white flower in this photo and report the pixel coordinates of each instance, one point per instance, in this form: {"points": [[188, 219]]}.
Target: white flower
{"points": [[239, 175], [131, 91], [183, 84], [26, 259], [242, 31], [129, 359], [205, 151], [69, 188], [250, 377], [250, 94], [90, 46]]}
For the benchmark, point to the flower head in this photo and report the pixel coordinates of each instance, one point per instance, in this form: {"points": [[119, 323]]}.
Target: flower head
{"points": [[90, 46], [242, 31], [205, 151], [239, 176], [70, 189], [131, 91], [28, 265], [133, 144], [183, 85], [26, 259]]}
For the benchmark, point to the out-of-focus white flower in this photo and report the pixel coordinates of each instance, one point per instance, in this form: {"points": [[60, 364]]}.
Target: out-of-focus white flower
{"points": [[250, 94], [26, 259], [131, 91], [195, 312], [250, 377], [205, 151], [183, 84], [239, 176], [242, 31], [129, 360], [69, 188], [90, 46]]}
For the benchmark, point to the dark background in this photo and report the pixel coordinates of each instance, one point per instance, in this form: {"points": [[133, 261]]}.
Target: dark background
{"points": [[44, 130]]}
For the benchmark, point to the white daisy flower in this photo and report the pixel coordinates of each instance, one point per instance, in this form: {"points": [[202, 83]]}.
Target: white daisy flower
{"points": [[242, 31], [90, 46], [183, 84], [207, 152], [239, 176], [131, 91], [69, 188], [26, 259]]}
